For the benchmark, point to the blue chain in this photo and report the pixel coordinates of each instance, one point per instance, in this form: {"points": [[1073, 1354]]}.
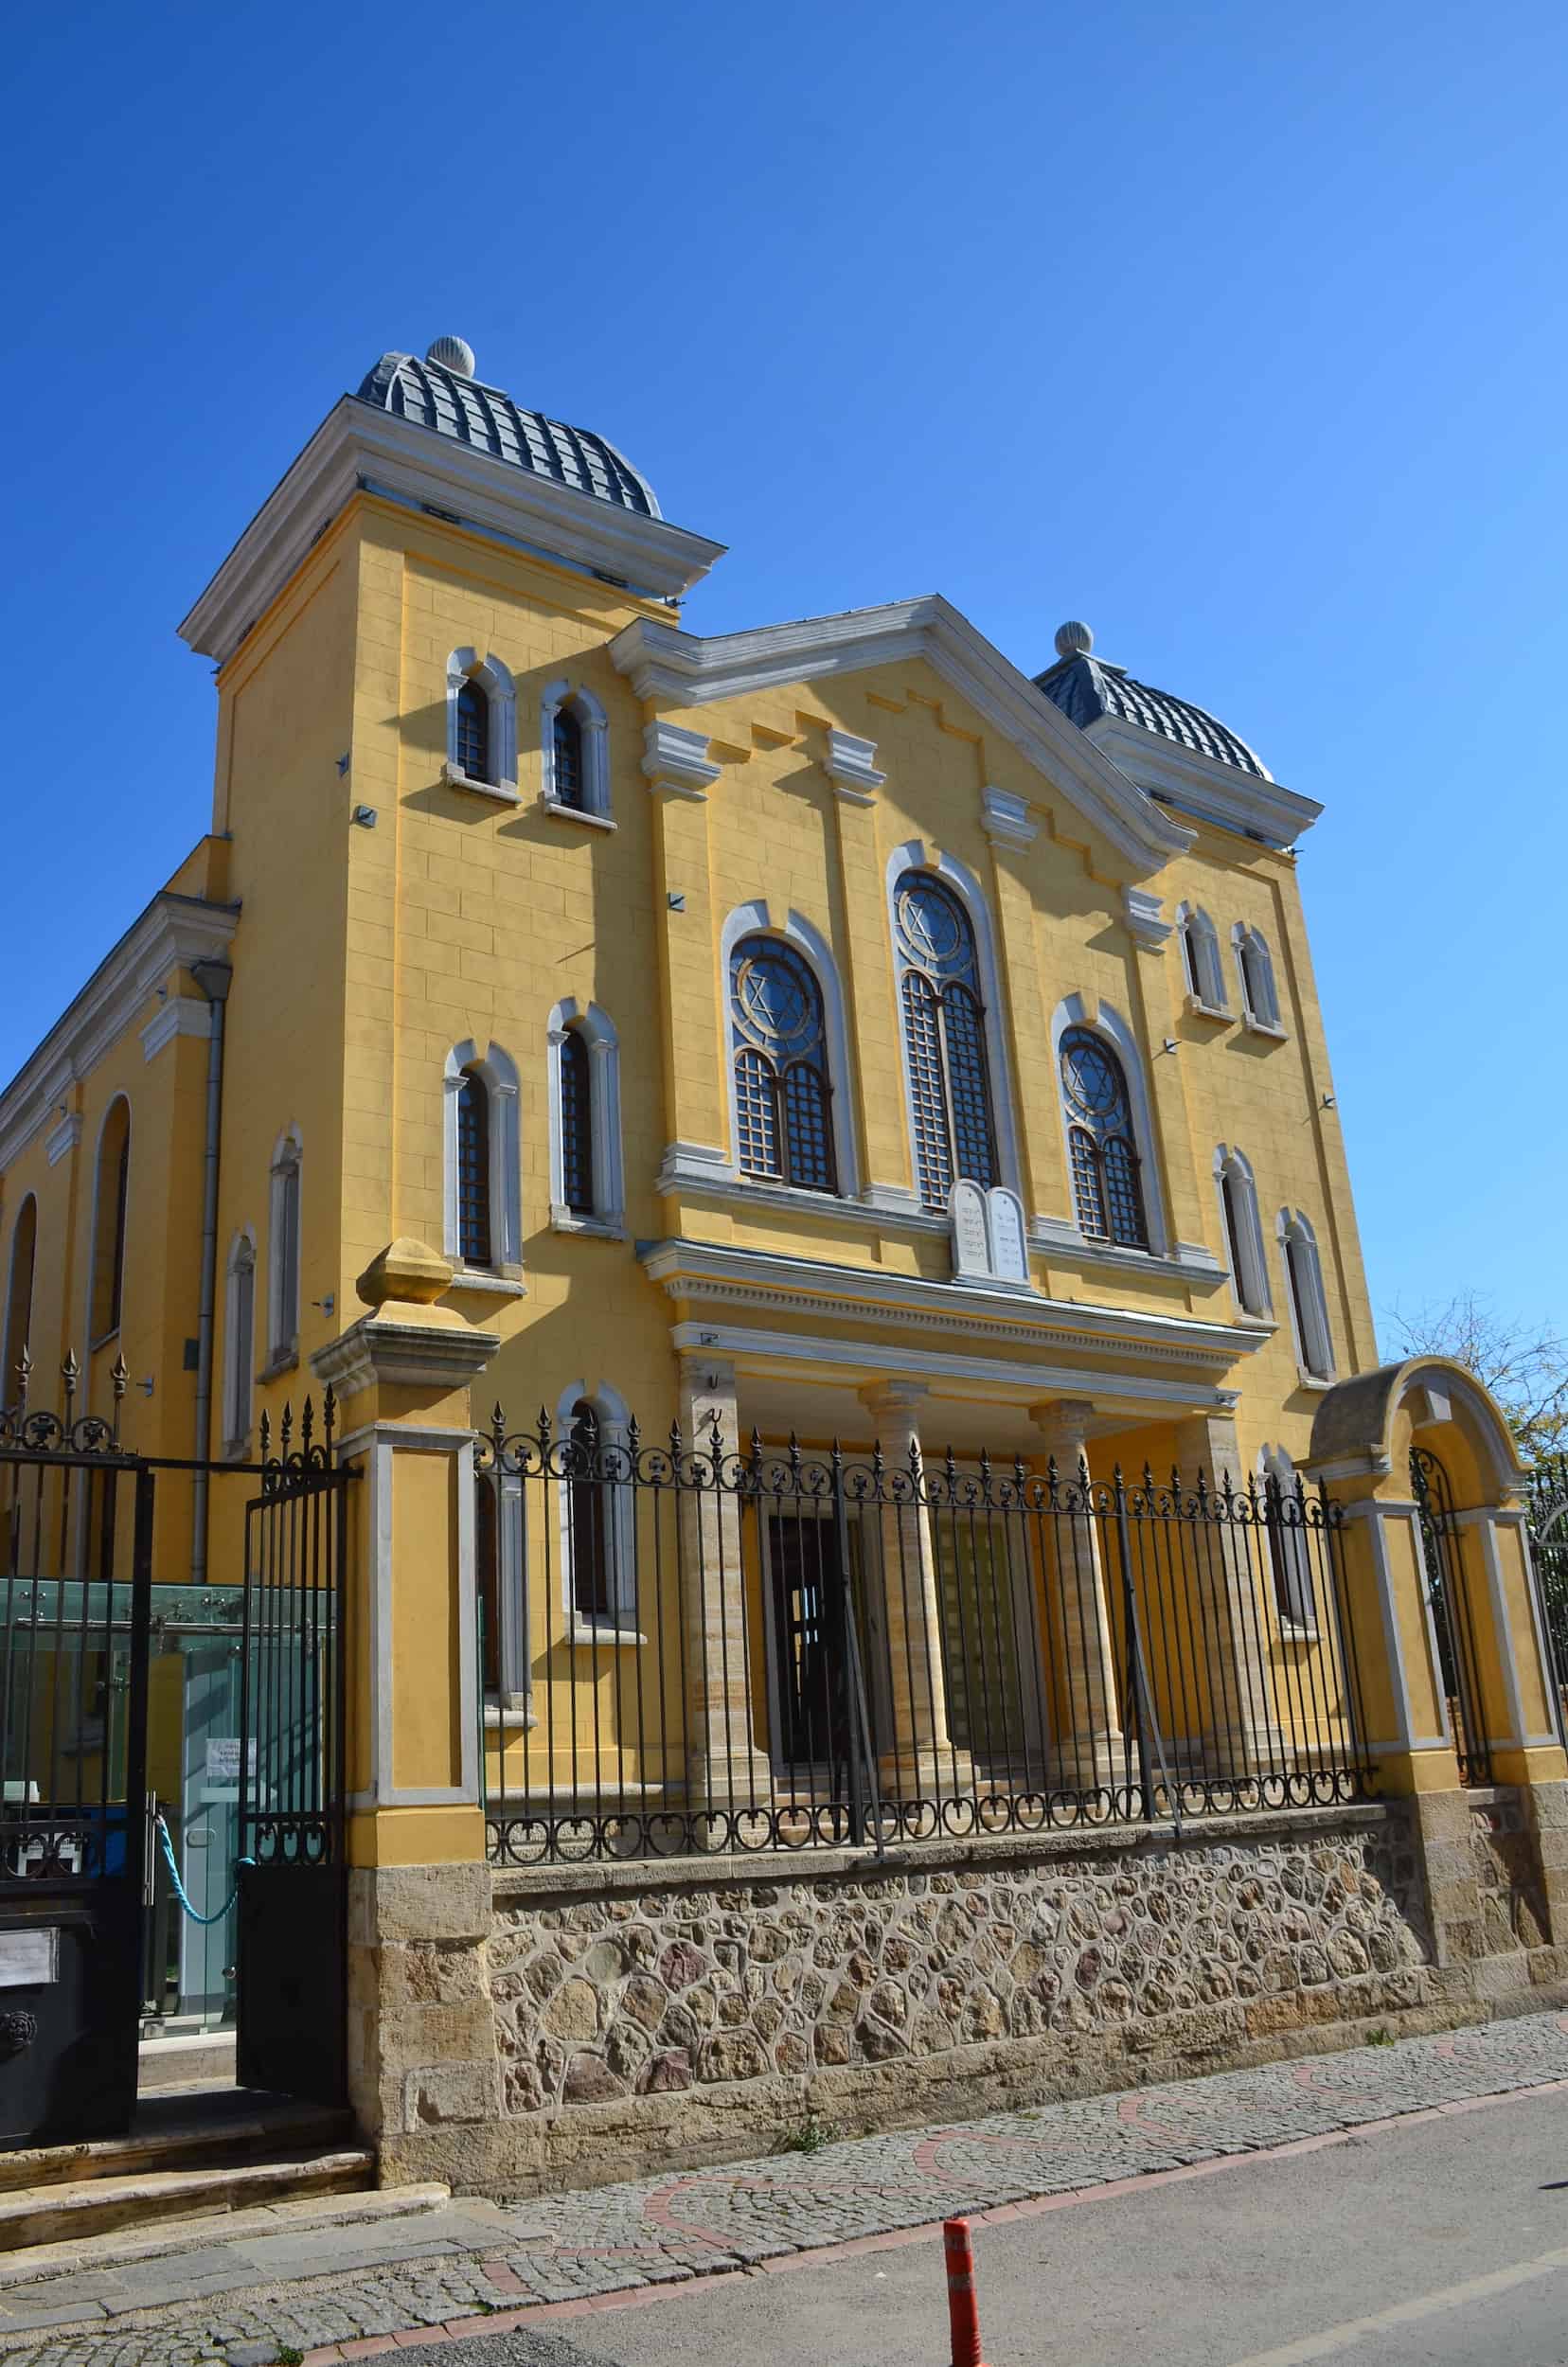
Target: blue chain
{"points": [[180, 1888]]}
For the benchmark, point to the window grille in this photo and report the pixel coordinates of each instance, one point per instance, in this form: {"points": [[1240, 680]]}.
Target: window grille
{"points": [[944, 1022], [782, 1097], [473, 732], [570, 779], [577, 1123], [1102, 1152], [473, 1178]]}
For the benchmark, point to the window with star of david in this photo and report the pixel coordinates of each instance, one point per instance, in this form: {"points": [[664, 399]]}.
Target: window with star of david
{"points": [[944, 1028], [1102, 1149], [783, 1099]]}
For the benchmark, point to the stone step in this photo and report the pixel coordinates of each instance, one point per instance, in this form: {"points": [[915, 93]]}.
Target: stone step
{"points": [[127, 2247], [199, 2059], [185, 2128], [65, 2211]]}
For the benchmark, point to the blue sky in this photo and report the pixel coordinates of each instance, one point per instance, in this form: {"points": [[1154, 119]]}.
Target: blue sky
{"points": [[1237, 330]]}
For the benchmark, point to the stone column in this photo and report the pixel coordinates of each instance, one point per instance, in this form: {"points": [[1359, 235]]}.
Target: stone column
{"points": [[1243, 1736], [423, 2076], [1090, 1748], [917, 1758], [722, 1660]]}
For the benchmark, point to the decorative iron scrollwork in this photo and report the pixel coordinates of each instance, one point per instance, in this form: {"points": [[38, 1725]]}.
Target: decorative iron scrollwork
{"points": [[18, 2028]]}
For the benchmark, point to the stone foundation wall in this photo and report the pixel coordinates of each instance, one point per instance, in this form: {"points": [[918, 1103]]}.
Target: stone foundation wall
{"points": [[639, 2014]]}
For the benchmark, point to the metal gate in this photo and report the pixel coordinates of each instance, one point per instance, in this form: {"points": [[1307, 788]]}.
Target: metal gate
{"points": [[1448, 1593], [292, 1873], [81, 1608]]}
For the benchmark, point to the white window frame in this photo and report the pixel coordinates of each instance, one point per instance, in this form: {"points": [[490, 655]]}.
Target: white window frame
{"points": [[498, 1072], [1251, 1284], [620, 1529], [595, 726], [1200, 952], [1292, 1573], [1073, 1011], [915, 855], [494, 679], [1260, 1012], [597, 1030], [239, 1345], [794, 930], [1309, 1305], [285, 1180]]}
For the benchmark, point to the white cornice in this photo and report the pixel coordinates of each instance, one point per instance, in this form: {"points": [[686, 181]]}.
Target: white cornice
{"points": [[681, 670], [677, 760], [358, 446], [690, 1270], [1006, 818], [64, 1139], [181, 1015], [1146, 920], [173, 934], [1204, 786], [850, 764]]}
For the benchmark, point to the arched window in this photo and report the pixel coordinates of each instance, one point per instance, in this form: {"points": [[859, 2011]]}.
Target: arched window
{"points": [[474, 733], [1309, 1303], [109, 1212], [782, 1095], [1102, 1149], [1243, 1231], [239, 1342], [1259, 1000], [19, 1292], [1290, 1540], [577, 1124], [481, 726], [598, 1523], [283, 1249], [1201, 958], [474, 1169], [574, 746], [944, 1026], [591, 1594]]}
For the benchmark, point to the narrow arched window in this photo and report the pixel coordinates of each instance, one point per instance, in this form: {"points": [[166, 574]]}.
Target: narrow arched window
{"points": [[569, 779], [1260, 999], [114, 1185], [593, 1593], [577, 1124], [473, 732], [1290, 1540], [1309, 1302], [1201, 958], [19, 1292], [1102, 1147], [944, 1025], [283, 1251], [1243, 1232], [782, 1096], [238, 1344], [474, 1169]]}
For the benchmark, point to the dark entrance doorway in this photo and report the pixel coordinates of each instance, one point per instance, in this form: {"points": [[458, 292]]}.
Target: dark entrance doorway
{"points": [[171, 1767]]}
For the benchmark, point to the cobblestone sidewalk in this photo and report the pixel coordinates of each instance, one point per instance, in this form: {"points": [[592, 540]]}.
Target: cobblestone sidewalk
{"points": [[475, 2267]]}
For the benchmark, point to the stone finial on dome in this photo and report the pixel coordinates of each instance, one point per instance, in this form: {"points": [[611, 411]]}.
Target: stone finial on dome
{"points": [[1073, 640], [451, 353]]}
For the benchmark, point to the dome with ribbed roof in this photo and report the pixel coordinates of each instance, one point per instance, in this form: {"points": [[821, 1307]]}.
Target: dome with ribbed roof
{"points": [[1086, 687], [439, 394]]}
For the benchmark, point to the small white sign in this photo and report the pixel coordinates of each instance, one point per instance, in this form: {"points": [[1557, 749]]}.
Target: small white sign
{"points": [[223, 1759], [31, 1958]]}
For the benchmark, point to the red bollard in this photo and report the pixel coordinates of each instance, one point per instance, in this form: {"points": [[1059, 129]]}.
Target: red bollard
{"points": [[963, 2308]]}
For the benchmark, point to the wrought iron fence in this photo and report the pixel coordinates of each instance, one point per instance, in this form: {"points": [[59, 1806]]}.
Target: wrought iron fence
{"points": [[1453, 1613], [1548, 1520], [690, 1646]]}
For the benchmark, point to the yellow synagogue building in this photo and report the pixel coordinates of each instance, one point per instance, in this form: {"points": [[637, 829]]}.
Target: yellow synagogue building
{"points": [[886, 1073]]}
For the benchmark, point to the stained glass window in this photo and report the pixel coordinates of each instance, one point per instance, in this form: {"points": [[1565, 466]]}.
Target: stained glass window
{"points": [[569, 779], [944, 1040], [1107, 1188], [473, 732], [577, 1123], [473, 1181], [782, 1099]]}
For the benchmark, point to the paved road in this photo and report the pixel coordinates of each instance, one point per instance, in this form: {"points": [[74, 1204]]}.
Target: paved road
{"points": [[1145, 2197]]}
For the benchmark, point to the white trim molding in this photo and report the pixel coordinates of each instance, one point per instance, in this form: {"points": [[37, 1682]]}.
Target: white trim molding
{"points": [[497, 1072], [683, 670], [1248, 1261], [285, 1247], [178, 1015], [1201, 966], [598, 1031], [594, 726], [1146, 922], [1006, 818], [620, 1534], [1306, 1296], [1210, 790], [755, 919], [494, 679], [913, 856], [1072, 1011], [1256, 970], [64, 1138], [850, 765], [239, 1401], [677, 761], [1289, 1550]]}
